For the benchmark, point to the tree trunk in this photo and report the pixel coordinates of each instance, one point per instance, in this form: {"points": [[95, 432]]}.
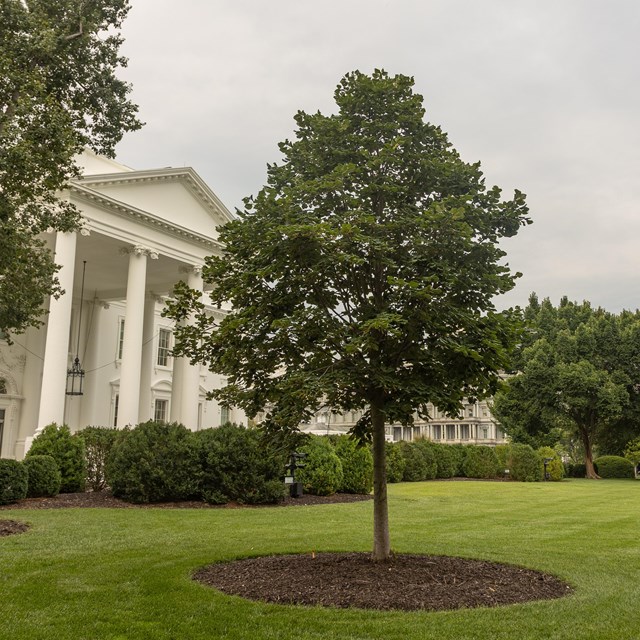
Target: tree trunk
{"points": [[381, 541], [588, 456]]}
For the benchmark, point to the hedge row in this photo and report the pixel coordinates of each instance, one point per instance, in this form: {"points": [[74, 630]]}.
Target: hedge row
{"points": [[424, 460], [38, 476]]}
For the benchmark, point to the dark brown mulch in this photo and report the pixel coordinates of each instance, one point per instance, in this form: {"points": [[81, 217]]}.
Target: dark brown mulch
{"points": [[408, 582], [9, 527], [104, 499], [342, 580]]}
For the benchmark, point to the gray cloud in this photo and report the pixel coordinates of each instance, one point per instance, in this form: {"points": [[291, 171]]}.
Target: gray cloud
{"points": [[545, 94]]}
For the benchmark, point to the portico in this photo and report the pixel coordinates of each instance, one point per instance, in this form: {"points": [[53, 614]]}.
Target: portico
{"points": [[143, 231]]}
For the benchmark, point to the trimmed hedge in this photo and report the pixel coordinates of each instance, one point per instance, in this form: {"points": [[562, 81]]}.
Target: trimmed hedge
{"points": [[503, 452], [614, 467], [98, 442], [44, 476], [357, 466], [68, 452], [14, 479], [395, 462], [459, 452], [237, 465], [555, 468], [154, 462], [419, 463], [480, 462], [524, 463], [322, 474], [446, 461]]}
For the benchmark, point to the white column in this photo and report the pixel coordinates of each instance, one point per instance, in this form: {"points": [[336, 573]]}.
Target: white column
{"points": [[132, 341], [191, 376], [185, 386], [54, 370], [145, 411], [176, 390]]}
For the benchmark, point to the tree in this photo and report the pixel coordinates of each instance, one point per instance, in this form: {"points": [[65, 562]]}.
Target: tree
{"points": [[58, 94], [361, 277], [576, 370]]}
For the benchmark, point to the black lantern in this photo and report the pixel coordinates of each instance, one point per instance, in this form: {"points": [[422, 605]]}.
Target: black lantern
{"points": [[75, 375], [75, 379]]}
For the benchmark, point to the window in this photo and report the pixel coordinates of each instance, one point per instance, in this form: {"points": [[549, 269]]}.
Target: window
{"points": [[470, 411], [437, 432], [160, 410], [199, 416], [485, 433], [164, 347], [464, 432], [224, 415], [116, 401], [397, 434], [451, 432], [3, 385], [120, 338]]}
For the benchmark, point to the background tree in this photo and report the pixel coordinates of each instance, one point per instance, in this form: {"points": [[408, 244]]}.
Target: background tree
{"points": [[361, 277], [58, 94], [576, 371]]}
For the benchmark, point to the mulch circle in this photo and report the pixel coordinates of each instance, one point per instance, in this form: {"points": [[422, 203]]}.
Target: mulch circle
{"points": [[10, 527], [407, 582], [343, 580]]}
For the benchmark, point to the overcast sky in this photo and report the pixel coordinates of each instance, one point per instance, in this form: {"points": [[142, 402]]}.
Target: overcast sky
{"points": [[544, 93]]}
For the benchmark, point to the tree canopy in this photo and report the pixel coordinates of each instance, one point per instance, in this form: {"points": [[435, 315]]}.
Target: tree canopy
{"points": [[576, 372], [361, 277], [58, 94]]}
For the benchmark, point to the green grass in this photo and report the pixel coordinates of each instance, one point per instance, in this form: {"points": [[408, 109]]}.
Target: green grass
{"points": [[125, 574]]}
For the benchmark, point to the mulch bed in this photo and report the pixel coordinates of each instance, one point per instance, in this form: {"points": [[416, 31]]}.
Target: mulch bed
{"points": [[344, 580], [104, 499], [407, 582], [9, 527]]}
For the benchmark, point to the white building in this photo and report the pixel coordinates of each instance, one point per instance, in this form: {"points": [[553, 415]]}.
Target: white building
{"points": [[143, 232], [474, 425]]}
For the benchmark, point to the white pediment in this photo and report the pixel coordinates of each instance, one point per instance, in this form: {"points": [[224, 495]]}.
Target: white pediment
{"points": [[178, 197]]}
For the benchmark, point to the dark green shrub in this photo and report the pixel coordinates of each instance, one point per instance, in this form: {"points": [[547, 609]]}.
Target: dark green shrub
{"points": [[446, 461], [480, 462], [98, 442], [322, 474], [395, 462], [44, 476], [154, 462], [429, 450], [555, 468], [14, 479], [503, 452], [357, 466], [238, 466], [459, 452], [420, 461], [68, 452], [524, 463], [614, 467], [578, 470]]}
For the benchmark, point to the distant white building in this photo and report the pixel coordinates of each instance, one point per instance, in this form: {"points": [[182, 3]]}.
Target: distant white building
{"points": [[143, 232], [474, 425]]}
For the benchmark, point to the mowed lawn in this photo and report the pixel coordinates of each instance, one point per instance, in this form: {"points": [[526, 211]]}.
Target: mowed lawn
{"points": [[125, 574]]}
